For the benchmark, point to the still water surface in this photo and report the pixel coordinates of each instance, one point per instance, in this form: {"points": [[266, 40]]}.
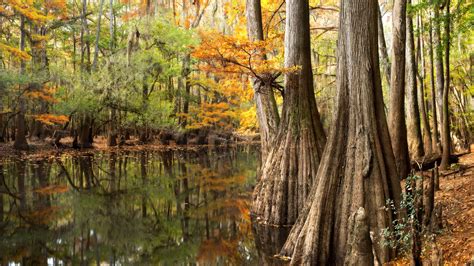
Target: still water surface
{"points": [[129, 208]]}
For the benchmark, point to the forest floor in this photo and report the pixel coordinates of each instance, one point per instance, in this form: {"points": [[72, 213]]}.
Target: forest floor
{"points": [[456, 196], [457, 199]]}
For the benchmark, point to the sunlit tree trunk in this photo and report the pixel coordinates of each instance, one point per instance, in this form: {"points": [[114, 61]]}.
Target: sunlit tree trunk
{"points": [[396, 118], [97, 36], [358, 166], [290, 168], [267, 111], [434, 109], [425, 124], [385, 62], [415, 142], [438, 63], [445, 126]]}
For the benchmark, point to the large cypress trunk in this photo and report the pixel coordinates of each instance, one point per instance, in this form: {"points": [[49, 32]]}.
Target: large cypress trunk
{"points": [[415, 142], [267, 111], [396, 119], [358, 165], [290, 168]]}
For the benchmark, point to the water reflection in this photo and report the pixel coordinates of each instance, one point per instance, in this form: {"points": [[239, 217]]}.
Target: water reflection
{"points": [[140, 208]]}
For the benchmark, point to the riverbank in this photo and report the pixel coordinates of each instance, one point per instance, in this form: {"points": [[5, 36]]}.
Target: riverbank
{"points": [[45, 148]]}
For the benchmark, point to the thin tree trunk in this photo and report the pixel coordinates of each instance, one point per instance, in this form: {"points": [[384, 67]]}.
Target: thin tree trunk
{"points": [[358, 167], [415, 142], [398, 129], [445, 136], [267, 111], [97, 36], [425, 125], [187, 86], [438, 64], [290, 168], [385, 62], [20, 131], [83, 35], [434, 116], [111, 26]]}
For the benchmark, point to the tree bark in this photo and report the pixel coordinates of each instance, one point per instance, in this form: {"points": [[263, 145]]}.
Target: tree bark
{"points": [[425, 125], [434, 116], [385, 62], [428, 198], [415, 142], [398, 129], [85, 133], [83, 37], [20, 131], [291, 166], [438, 63], [97, 36], [360, 245], [358, 166], [267, 111], [112, 25], [445, 126], [187, 86]]}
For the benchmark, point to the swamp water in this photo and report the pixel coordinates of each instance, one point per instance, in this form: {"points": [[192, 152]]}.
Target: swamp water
{"points": [[129, 208]]}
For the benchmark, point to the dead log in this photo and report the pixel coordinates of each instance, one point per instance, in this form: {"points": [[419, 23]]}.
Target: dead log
{"points": [[428, 163]]}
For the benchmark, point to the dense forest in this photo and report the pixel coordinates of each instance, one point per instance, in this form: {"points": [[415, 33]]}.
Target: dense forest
{"points": [[358, 110]]}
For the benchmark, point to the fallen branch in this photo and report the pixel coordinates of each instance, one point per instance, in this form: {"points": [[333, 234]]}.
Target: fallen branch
{"points": [[429, 163]]}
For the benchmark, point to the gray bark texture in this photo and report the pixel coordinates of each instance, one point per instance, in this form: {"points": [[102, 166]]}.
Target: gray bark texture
{"points": [[291, 165], [358, 166]]}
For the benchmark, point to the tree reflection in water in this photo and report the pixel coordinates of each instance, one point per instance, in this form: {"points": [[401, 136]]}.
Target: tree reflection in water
{"points": [[129, 207]]}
